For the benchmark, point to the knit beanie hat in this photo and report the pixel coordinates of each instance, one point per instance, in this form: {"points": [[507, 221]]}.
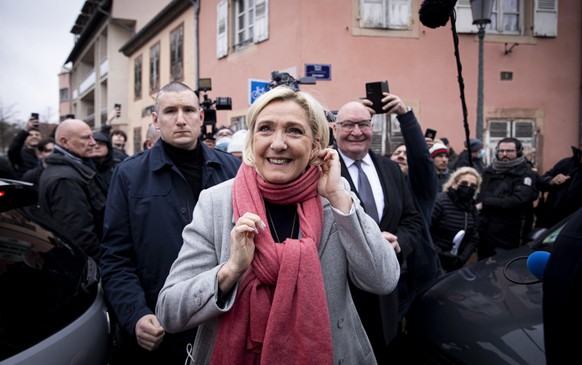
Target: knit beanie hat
{"points": [[475, 143], [437, 149]]}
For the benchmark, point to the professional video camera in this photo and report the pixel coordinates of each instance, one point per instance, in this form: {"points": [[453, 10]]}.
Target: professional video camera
{"points": [[210, 107], [283, 78]]}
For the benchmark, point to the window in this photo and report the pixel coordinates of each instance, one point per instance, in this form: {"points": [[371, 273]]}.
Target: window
{"points": [[177, 54], [137, 77], [250, 22], [155, 68], [385, 14], [522, 129], [538, 18], [505, 17], [63, 94]]}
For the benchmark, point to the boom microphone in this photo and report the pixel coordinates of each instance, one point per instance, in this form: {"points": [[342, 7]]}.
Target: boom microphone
{"points": [[436, 13], [537, 262]]}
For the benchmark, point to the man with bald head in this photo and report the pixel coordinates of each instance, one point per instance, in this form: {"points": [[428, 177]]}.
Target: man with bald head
{"points": [[70, 189], [392, 206]]}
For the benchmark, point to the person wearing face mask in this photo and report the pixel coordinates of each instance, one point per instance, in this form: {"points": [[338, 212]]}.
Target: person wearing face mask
{"points": [[507, 195], [475, 152], [455, 211]]}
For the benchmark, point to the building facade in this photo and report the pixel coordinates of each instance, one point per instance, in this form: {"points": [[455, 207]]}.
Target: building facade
{"points": [[531, 63]]}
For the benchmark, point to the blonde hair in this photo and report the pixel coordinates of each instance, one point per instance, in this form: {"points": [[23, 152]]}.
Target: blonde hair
{"points": [[458, 173], [314, 112]]}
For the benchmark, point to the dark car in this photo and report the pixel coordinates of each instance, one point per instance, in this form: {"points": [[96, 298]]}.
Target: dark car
{"points": [[52, 309], [486, 313]]}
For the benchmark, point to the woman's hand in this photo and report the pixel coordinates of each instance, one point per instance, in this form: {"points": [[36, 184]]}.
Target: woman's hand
{"points": [[330, 185], [242, 250]]}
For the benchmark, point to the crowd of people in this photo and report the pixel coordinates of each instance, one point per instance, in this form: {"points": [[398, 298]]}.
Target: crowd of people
{"points": [[315, 250]]}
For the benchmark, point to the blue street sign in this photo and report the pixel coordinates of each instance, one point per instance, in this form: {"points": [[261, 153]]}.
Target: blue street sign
{"points": [[319, 71], [256, 89]]}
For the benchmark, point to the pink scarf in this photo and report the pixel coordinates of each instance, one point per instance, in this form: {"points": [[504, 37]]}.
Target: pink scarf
{"points": [[280, 313]]}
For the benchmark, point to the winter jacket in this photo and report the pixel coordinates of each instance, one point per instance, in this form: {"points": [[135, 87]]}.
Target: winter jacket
{"points": [[564, 199], [71, 193], [507, 197], [448, 218], [148, 205]]}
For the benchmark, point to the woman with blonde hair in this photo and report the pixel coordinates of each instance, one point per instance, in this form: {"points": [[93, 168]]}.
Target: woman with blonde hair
{"points": [[266, 278], [455, 212]]}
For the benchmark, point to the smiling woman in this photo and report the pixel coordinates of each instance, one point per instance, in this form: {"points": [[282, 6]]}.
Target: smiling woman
{"points": [[284, 260]]}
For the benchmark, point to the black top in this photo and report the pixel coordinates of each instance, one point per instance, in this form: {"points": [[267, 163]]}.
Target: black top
{"points": [[283, 221]]}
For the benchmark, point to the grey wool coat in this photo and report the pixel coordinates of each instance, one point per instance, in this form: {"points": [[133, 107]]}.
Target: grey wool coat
{"points": [[351, 244]]}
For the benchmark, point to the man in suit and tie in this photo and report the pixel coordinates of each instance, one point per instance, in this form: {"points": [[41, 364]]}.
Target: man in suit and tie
{"points": [[391, 204]]}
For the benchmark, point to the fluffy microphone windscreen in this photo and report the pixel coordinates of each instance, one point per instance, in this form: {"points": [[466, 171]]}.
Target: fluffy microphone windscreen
{"points": [[436, 13]]}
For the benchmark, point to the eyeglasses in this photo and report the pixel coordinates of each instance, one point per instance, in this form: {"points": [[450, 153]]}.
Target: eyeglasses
{"points": [[223, 134], [507, 152], [348, 125], [466, 183]]}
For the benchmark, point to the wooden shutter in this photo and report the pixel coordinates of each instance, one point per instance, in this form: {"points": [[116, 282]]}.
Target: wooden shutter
{"points": [[464, 22], [546, 18], [222, 29], [261, 26]]}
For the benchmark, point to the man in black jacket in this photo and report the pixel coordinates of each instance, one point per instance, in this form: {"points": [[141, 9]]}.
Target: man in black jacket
{"points": [[151, 198], [507, 195], [398, 219], [70, 190], [563, 184]]}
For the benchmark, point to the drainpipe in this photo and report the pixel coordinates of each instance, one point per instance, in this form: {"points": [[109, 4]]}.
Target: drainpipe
{"points": [[196, 5]]}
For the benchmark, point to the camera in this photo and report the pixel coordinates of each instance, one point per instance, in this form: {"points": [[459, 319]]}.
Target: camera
{"points": [[283, 78], [210, 107]]}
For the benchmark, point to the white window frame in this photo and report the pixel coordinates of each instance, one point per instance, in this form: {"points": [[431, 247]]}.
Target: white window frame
{"points": [[514, 127], [385, 14], [538, 19], [249, 20], [498, 17]]}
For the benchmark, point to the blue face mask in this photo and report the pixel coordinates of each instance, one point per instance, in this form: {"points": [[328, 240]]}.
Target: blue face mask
{"points": [[481, 154]]}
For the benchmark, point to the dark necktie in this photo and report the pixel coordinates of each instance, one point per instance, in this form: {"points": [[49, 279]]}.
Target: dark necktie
{"points": [[365, 192]]}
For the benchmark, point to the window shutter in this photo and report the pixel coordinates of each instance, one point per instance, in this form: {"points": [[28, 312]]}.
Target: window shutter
{"points": [[464, 22], [399, 14], [546, 18], [221, 29], [372, 14], [261, 26]]}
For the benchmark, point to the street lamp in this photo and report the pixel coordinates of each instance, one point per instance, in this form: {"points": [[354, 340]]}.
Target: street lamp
{"points": [[481, 10]]}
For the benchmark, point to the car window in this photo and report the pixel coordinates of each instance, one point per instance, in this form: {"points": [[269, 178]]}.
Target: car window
{"points": [[551, 238], [44, 283]]}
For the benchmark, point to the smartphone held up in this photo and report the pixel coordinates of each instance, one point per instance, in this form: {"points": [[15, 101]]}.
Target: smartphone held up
{"points": [[374, 93], [430, 133]]}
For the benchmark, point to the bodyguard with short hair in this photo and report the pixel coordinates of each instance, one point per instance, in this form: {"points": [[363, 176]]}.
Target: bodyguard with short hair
{"points": [[151, 198]]}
